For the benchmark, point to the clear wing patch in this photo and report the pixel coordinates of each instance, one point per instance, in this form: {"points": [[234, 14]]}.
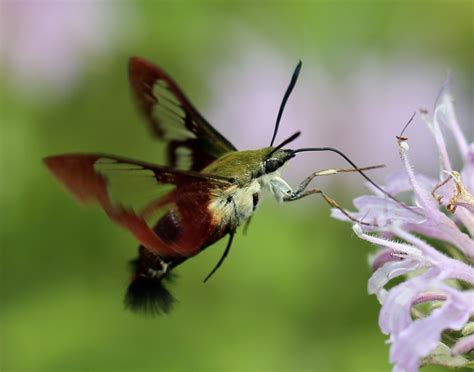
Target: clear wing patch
{"points": [[170, 114], [130, 186]]}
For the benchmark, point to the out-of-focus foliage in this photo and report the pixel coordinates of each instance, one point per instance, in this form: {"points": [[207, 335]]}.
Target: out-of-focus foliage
{"points": [[292, 294]]}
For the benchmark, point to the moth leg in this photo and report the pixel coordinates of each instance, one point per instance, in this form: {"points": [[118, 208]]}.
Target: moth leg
{"points": [[327, 172], [301, 194], [224, 255], [246, 226]]}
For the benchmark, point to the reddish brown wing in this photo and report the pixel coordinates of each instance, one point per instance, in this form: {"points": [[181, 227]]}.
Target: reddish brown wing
{"points": [[192, 142], [136, 195]]}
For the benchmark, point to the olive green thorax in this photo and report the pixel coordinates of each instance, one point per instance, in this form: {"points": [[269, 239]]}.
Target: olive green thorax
{"points": [[244, 166]]}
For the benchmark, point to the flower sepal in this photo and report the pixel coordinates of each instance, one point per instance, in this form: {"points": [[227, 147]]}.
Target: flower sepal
{"points": [[443, 356]]}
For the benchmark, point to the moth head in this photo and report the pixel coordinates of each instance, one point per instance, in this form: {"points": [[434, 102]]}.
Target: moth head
{"points": [[276, 159]]}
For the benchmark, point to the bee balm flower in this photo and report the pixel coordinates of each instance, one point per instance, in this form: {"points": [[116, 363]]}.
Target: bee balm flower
{"points": [[423, 314]]}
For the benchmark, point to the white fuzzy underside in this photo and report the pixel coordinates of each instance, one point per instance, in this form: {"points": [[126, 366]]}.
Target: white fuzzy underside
{"points": [[240, 207]]}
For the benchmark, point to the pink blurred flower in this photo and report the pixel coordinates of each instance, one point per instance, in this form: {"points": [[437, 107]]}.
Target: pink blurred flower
{"points": [[46, 45], [442, 210]]}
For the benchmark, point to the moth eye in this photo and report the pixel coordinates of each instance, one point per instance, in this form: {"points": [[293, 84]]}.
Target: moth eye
{"points": [[271, 165]]}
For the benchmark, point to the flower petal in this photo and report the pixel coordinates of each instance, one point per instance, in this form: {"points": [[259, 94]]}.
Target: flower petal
{"points": [[381, 212], [450, 268], [447, 116], [468, 170], [387, 272], [423, 335], [464, 345], [382, 257], [438, 225], [395, 313]]}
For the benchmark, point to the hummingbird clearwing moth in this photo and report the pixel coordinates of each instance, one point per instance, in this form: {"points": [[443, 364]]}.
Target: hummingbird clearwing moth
{"points": [[206, 192]]}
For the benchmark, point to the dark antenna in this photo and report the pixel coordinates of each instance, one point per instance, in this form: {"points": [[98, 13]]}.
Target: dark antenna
{"points": [[285, 98], [285, 142], [346, 158]]}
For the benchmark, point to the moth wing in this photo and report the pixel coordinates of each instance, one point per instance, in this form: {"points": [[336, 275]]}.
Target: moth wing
{"points": [[192, 142], [136, 195]]}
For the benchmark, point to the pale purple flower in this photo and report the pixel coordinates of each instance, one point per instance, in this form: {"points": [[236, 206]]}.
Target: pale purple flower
{"points": [[440, 210], [47, 44]]}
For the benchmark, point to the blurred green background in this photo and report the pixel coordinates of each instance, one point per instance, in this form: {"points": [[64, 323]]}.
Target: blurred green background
{"points": [[292, 294]]}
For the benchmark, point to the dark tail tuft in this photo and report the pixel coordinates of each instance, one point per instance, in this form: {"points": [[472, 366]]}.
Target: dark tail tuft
{"points": [[147, 293], [149, 296]]}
